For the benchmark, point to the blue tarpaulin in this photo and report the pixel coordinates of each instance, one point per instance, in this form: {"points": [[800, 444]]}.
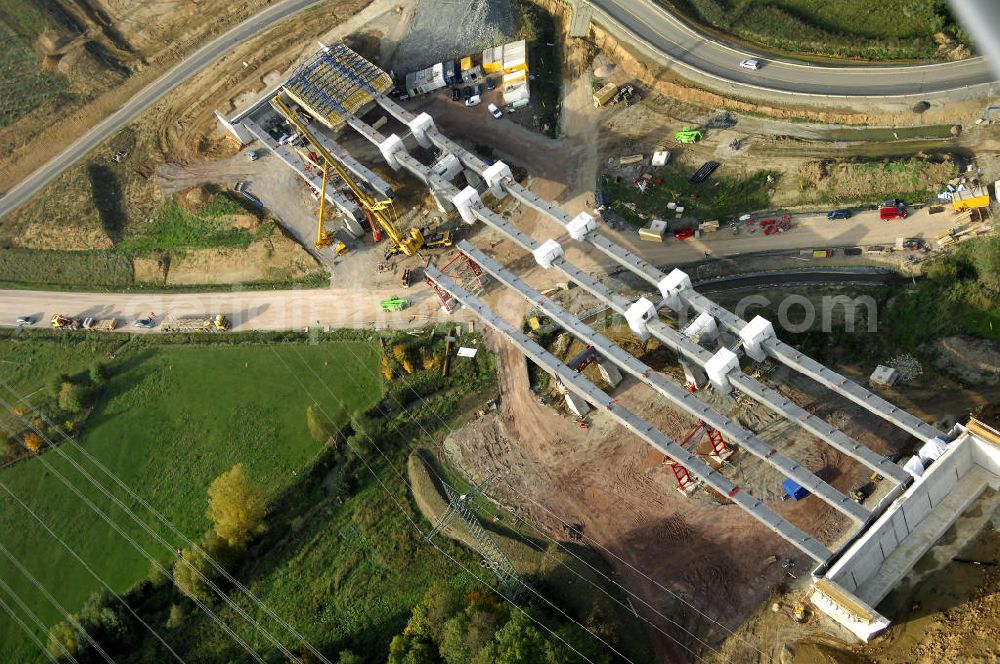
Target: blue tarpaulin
{"points": [[794, 490]]}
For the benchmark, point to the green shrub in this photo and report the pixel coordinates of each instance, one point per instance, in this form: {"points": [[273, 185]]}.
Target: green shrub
{"points": [[99, 372], [72, 397]]}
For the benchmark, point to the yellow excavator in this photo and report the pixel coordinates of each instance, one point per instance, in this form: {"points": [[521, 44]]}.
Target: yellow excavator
{"points": [[407, 244]]}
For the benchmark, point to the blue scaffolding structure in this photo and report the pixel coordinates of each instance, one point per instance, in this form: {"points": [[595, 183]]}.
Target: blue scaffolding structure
{"points": [[336, 82]]}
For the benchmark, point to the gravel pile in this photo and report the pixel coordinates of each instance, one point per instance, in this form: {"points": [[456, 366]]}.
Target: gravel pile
{"points": [[449, 29], [907, 366]]}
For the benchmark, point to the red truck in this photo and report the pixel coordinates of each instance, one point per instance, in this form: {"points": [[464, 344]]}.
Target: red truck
{"points": [[894, 210]]}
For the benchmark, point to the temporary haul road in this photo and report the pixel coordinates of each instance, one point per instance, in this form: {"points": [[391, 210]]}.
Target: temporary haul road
{"points": [[670, 40], [359, 308], [248, 310]]}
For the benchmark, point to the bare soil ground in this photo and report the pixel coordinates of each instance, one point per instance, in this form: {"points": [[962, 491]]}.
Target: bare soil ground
{"points": [[109, 50], [943, 611]]}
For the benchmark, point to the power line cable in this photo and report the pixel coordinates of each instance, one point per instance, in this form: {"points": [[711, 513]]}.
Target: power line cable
{"points": [[153, 560], [673, 594], [396, 470], [142, 524], [73, 553], [192, 544], [70, 618], [681, 599], [401, 406], [34, 617]]}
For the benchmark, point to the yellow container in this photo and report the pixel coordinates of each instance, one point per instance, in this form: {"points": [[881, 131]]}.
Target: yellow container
{"points": [[493, 60], [466, 63], [515, 77]]}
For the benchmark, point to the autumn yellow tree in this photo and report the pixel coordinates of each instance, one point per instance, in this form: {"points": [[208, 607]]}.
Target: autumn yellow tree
{"points": [[402, 356], [33, 441], [236, 507]]}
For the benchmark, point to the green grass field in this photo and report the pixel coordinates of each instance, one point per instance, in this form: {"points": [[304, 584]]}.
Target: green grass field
{"points": [[177, 229], [892, 29], [342, 560], [23, 85], [169, 421]]}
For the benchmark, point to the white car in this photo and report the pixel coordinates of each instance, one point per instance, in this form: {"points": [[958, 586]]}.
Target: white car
{"points": [[473, 100], [494, 111], [750, 64]]}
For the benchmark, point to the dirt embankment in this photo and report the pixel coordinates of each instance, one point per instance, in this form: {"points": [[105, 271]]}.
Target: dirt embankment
{"points": [[111, 50], [970, 360]]}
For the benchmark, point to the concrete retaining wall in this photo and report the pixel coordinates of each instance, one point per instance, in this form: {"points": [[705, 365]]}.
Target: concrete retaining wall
{"points": [[868, 553], [887, 550]]}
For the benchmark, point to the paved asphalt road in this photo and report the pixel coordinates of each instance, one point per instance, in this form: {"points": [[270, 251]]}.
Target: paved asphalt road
{"points": [[147, 97], [679, 43], [649, 22]]}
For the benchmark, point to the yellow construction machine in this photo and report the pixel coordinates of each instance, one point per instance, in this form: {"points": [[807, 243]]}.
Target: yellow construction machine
{"points": [[380, 210]]}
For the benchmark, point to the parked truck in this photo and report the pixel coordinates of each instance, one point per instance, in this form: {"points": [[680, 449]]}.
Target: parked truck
{"points": [[605, 94], [216, 323], [241, 188], [101, 325]]}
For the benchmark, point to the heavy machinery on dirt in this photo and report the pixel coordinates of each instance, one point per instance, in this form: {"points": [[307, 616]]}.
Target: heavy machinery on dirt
{"points": [[380, 210], [442, 239], [216, 323], [61, 322], [686, 135], [101, 325], [394, 304]]}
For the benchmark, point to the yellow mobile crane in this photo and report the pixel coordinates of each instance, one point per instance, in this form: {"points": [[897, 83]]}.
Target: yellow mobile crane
{"points": [[322, 237], [407, 245]]}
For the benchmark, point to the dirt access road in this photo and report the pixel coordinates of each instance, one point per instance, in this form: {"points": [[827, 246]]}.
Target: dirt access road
{"points": [[248, 310]]}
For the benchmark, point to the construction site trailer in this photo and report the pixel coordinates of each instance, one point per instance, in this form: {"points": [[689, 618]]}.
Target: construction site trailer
{"points": [[466, 63], [517, 95], [515, 77], [968, 199], [425, 81], [493, 60], [514, 57]]}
